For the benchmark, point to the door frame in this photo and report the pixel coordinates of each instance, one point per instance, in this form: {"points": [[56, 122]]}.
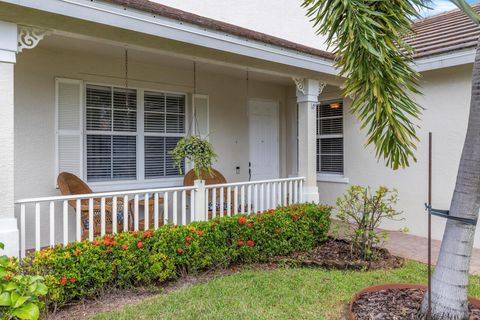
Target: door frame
{"points": [[277, 131]]}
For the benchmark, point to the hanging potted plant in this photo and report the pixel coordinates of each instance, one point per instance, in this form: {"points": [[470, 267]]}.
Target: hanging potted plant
{"points": [[197, 151]]}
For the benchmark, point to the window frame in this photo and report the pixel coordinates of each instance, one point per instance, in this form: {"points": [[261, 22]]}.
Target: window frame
{"points": [[331, 176], [140, 136]]}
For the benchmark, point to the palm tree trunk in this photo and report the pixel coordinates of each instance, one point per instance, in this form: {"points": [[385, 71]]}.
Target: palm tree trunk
{"points": [[450, 278]]}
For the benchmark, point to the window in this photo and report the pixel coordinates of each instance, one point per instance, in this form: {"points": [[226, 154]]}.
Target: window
{"points": [[330, 138], [114, 135]]}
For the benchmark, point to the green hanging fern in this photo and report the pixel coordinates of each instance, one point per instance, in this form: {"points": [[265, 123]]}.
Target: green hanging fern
{"points": [[195, 150]]}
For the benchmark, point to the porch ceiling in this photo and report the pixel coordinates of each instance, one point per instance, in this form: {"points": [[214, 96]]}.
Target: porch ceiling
{"points": [[80, 28]]}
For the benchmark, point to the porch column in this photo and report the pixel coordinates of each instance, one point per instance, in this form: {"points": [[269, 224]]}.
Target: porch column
{"points": [[307, 100], [9, 235]]}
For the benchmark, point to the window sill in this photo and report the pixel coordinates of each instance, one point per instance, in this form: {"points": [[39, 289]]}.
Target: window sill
{"points": [[335, 178], [107, 186]]}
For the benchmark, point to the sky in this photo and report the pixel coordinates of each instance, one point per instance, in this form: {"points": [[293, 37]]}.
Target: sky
{"points": [[439, 6]]}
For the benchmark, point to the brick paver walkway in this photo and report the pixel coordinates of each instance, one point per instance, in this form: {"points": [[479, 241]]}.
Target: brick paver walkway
{"points": [[415, 248]]}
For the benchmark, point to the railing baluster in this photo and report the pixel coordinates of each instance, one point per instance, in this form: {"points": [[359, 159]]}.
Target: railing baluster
{"points": [[235, 200], [255, 198], [65, 222], [192, 206], [78, 219], [229, 201], [175, 204], [184, 207], [290, 192], [52, 224], [37, 226], [284, 202], [155, 210], [165, 208], [114, 214], [262, 197], [295, 192], [90, 219], [135, 212], [125, 213], [267, 200], [242, 202], [102, 216], [206, 203], [146, 212], [249, 198], [222, 200], [22, 230], [301, 191], [214, 203], [274, 195]]}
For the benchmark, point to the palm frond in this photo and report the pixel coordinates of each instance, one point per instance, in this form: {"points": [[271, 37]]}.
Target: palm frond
{"points": [[369, 41]]}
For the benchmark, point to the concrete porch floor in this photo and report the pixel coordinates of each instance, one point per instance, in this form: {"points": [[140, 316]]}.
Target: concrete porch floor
{"points": [[415, 248]]}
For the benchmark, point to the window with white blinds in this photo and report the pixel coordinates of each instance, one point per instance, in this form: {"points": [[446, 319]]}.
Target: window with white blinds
{"points": [[113, 134], [330, 138], [164, 121]]}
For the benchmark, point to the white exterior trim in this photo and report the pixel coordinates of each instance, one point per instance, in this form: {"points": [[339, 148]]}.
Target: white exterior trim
{"points": [[445, 60], [335, 178], [135, 20], [8, 42]]}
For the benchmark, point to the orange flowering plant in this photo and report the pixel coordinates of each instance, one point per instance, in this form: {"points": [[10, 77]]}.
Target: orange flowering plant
{"points": [[84, 269]]}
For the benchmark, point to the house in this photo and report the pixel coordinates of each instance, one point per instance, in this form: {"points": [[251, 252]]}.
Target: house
{"points": [[105, 88]]}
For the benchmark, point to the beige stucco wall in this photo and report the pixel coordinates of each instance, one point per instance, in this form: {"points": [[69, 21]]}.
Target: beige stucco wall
{"points": [[446, 102], [35, 74]]}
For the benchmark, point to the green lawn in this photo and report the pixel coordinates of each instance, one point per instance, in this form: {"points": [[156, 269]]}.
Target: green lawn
{"points": [[281, 294]]}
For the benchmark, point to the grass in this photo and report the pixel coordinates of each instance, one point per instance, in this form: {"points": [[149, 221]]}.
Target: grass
{"points": [[281, 294]]}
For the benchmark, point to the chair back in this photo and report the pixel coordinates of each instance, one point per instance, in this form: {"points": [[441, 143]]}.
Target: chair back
{"points": [[214, 178], [70, 184]]}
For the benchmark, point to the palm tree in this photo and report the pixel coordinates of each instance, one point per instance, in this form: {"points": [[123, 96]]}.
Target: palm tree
{"points": [[369, 41]]}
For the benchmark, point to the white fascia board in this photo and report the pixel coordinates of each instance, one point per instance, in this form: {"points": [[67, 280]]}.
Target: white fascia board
{"points": [[139, 21], [452, 59]]}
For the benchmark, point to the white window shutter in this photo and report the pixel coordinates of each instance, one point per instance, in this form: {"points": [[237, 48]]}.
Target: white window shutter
{"points": [[201, 113], [69, 126]]}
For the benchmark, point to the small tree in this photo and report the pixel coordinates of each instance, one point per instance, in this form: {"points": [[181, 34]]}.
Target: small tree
{"points": [[197, 151], [361, 212]]}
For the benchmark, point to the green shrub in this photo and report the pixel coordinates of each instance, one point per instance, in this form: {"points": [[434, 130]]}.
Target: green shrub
{"points": [[361, 212], [19, 294], [84, 269]]}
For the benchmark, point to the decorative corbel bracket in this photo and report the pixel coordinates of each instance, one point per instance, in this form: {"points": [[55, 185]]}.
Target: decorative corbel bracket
{"points": [[321, 86], [300, 83], [29, 37]]}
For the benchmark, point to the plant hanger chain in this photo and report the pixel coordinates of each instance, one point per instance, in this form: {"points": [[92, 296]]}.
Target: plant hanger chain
{"points": [[194, 122]]}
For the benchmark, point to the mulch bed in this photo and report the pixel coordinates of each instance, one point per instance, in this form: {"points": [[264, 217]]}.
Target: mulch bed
{"points": [[394, 304], [338, 254]]}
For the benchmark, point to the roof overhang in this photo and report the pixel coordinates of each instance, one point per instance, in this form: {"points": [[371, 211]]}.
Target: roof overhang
{"points": [[134, 20], [446, 60]]}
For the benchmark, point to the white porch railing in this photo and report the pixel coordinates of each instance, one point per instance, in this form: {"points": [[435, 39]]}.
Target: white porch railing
{"points": [[110, 212]]}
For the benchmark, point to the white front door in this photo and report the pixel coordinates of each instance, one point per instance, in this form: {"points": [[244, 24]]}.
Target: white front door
{"points": [[264, 142]]}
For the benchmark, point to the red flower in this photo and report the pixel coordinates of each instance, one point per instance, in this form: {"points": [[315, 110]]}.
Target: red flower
{"points": [[242, 220], [188, 238], [321, 226], [108, 241], [148, 234], [250, 243], [250, 225], [124, 247], [96, 242], [187, 244], [200, 233], [240, 243], [139, 245], [180, 250], [295, 217], [76, 252], [63, 281], [72, 280]]}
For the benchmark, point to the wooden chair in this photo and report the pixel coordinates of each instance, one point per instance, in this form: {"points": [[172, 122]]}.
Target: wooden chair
{"points": [[70, 184], [214, 178]]}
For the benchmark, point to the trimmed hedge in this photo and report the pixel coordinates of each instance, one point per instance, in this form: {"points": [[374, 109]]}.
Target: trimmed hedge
{"points": [[84, 269]]}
